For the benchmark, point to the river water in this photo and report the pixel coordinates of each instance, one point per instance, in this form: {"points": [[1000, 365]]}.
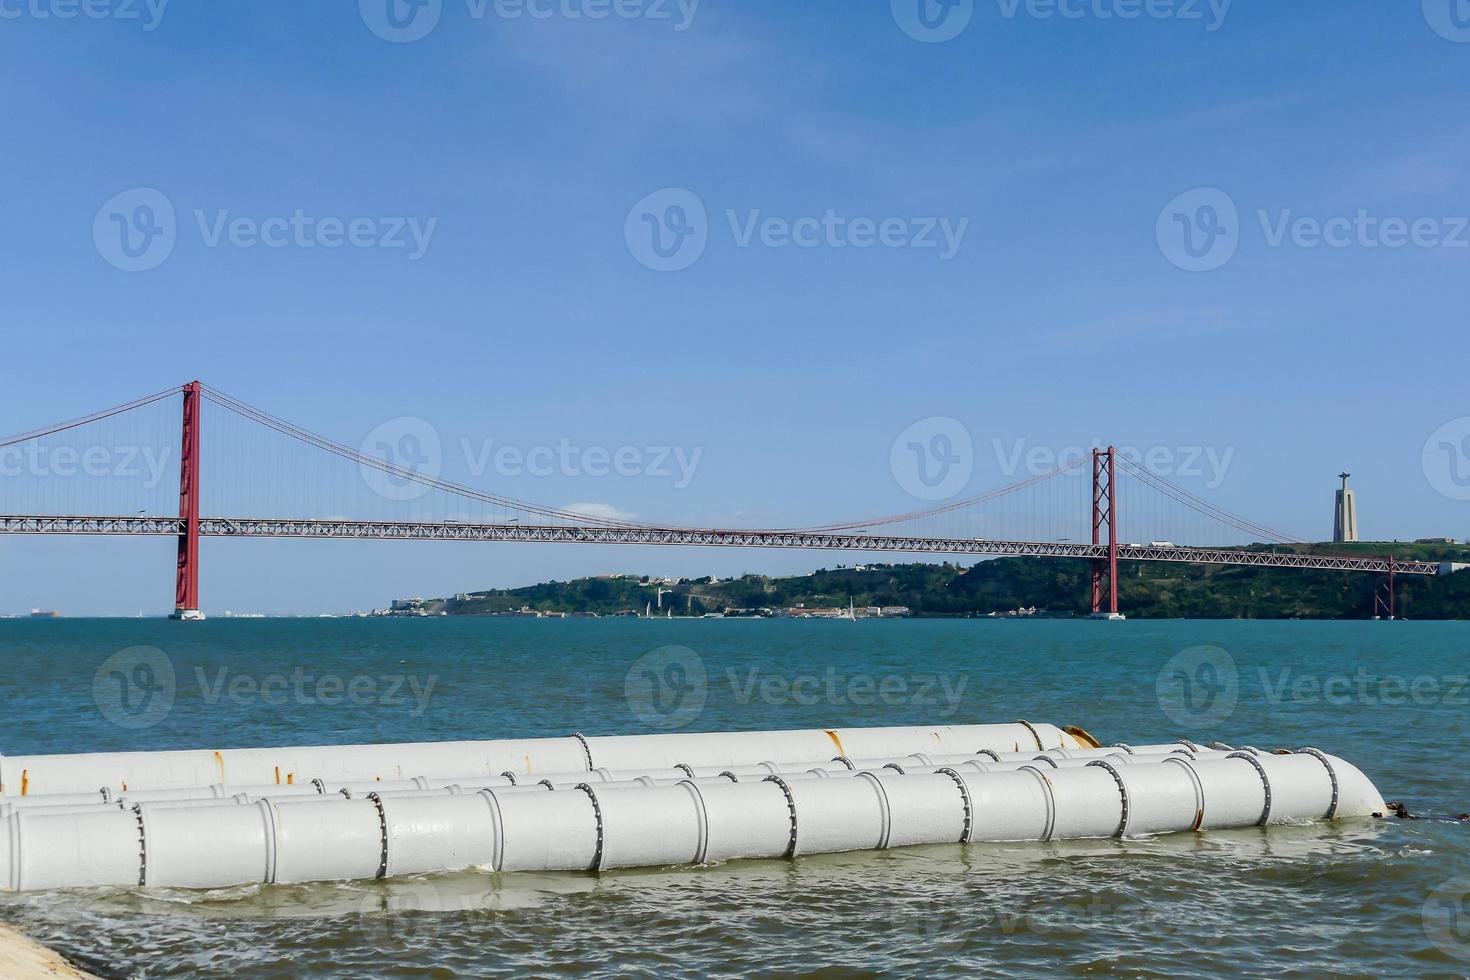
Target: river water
{"points": [[1366, 898]]}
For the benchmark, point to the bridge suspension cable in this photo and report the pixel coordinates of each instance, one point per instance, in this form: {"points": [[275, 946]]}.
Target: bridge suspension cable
{"points": [[89, 419], [249, 412], [1201, 506], [1026, 517], [966, 509], [259, 416], [953, 506]]}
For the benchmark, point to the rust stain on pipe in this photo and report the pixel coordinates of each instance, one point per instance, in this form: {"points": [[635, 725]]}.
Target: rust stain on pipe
{"points": [[1084, 736]]}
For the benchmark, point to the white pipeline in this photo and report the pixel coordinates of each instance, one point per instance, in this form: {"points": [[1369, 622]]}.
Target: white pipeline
{"points": [[669, 815], [126, 772]]}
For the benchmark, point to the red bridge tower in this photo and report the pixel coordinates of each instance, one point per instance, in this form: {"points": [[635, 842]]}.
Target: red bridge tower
{"points": [[1105, 511], [186, 593]]}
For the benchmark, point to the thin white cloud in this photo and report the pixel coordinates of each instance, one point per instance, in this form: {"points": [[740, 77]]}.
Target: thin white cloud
{"points": [[606, 512], [696, 76]]}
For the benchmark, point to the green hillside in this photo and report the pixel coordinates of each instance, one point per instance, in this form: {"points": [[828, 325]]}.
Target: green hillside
{"points": [[1054, 586]]}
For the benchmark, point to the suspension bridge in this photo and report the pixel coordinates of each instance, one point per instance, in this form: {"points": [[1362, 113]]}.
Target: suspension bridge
{"points": [[311, 484]]}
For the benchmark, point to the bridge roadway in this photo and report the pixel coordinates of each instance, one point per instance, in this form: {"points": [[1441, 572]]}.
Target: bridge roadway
{"points": [[223, 527]]}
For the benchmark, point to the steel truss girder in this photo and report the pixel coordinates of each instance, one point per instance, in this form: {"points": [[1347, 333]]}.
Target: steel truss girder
{"points": [[713, 537]]}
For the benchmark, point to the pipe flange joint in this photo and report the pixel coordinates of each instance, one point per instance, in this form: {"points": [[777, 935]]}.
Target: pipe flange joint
{"points": [[1249, 756], [969, 804], [586, 749], [1040, 746], [791, 808], [600, 853], [1122, 792], [383, 830], [1326, 761]]}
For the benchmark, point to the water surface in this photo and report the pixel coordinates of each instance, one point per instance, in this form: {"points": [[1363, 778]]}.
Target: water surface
{"points": [[1355, 898]]}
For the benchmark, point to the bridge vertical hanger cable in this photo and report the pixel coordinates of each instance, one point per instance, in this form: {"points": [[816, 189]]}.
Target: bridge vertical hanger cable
{"points": [[88, 419], [1202, 506], [972, 526], [400, 472]]}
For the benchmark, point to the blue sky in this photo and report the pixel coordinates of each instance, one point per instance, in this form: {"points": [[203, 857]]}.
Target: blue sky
{"points": [[1066, 155]]}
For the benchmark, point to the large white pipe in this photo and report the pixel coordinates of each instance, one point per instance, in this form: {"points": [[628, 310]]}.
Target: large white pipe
{"points": [[215, 792], [182, 845], [745, 820], [642, 827], [124, 772], [544, 831], [734, 748], [327, 839], [101, 849], [1087, 801], [842, 767], [367, 787], [42, 808], [1008, 806], [433, 834], [837, 814], [924, 809], [1157, 799], [657, 820]]}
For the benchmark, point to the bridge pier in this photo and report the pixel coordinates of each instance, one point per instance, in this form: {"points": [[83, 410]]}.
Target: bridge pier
{"points": [[1385, 605], [186, 586]]}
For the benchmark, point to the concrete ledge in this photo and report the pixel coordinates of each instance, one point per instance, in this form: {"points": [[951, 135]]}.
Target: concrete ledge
{"points": [[22, 958]]}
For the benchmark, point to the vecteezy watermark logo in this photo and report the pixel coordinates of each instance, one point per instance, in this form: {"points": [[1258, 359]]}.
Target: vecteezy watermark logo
{"points": [[399, 911], [1199, 687], [1211, 13], [942, 691], [677, 464], [936, 21], [135, 688], [959, 922], [412, 453], [149, 12], [1446, 918], [1209, 464], [667, 687], [1363, 688], [401, 21], [933, 21], [301, 230], [1199, 230], [302, 687], [933, 459], [1449, 18], [679, 13], [146, 464], [404, 21], [1363, 230], [668, 230], [1446, 459], [136, 229], [836, 231]]}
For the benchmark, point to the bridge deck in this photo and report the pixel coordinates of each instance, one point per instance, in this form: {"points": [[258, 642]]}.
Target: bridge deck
{"points": [[729, 538]]}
